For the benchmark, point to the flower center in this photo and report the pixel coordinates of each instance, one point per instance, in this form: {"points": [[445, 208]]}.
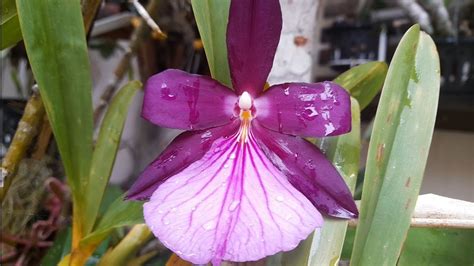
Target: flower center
{"points": [[245, 101], [245, 105]]}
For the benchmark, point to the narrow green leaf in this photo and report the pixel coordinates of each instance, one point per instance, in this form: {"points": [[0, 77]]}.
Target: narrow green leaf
{"points": [[398, 150], [364, 81], [211, 18], [56, 46], [438, 247], [430, 247], [105, 150], [112, 192], [9, 24], [120, 213]]}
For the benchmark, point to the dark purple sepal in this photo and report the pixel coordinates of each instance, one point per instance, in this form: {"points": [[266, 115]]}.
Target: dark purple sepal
{"points": [[176, 99], [184, 150], [253, 33], [308, 170]]}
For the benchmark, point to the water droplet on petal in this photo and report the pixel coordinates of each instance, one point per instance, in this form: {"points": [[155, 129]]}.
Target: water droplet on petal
{"points": [[206, 135], [329, 128], [287, 91], [166, 222], [209, 225], [310, 112], [232, 156], [280, 198], [173, 209], [234, 205]]}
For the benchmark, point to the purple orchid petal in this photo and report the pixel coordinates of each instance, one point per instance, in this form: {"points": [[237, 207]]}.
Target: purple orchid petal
{"points": [[176, 99], [231, 205], [309, 171], [253, 33], [184, 150], [303, 109]]}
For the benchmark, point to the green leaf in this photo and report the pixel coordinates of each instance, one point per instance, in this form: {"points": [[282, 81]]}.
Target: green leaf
{"points": [[364, 81], [438, 247], [344, 151], [56, 46], [211, 18], [112, 192], [398, 150], [430, 247], [9, 24], [120, 213], [105, 150], [61, 247]]}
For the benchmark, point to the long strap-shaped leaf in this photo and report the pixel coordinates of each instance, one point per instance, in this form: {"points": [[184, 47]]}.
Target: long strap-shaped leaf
{"points": [[105, 150], [211, 18], [55, 42], [398, 150]]}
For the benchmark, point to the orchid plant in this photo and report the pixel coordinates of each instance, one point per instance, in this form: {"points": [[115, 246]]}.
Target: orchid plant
{"points": [[242, 183]]}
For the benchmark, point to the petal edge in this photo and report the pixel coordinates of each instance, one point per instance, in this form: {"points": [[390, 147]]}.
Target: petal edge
{"points": [[308, 170]]}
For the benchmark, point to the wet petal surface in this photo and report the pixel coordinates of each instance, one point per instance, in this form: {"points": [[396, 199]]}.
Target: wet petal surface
{"points": [[184, 150], [253, 33], [309, 171], [303, 109], [176, 99], [232, 205]]}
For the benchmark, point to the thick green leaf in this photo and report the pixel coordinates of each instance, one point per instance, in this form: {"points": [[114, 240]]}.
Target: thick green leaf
{"points": [[398, 150], [211, 18], [105, 150], [364, 81], [61, 247], [430, 247], [56, 46], [438, 247], [120, 213], [9, 24]]}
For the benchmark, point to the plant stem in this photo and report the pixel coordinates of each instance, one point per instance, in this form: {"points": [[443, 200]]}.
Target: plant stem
{"points": [[26, 131], [134, 240], [142, 259]]}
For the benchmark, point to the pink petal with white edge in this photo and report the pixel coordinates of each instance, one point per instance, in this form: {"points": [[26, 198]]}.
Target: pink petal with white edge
{"points": [[231, 205]]}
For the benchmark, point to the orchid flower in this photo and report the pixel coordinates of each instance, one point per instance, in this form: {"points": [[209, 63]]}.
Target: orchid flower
{"points": [[242, 183]]}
